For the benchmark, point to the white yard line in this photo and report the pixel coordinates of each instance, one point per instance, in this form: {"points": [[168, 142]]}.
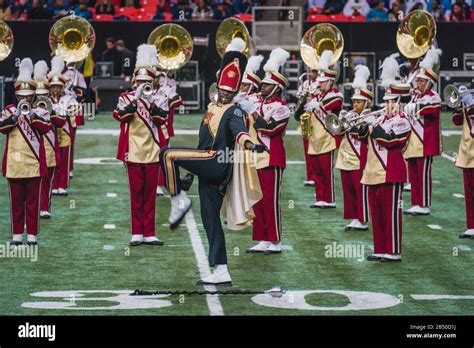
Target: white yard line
{"points": [[435, 227], [111, 195], [448, 157], [109, 226], [213, 302]]}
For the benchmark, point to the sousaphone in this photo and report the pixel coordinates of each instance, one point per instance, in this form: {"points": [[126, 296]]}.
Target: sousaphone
{"points": [[416, 33], [229, 29], [72, 38], [6, 40], [174, 46]]}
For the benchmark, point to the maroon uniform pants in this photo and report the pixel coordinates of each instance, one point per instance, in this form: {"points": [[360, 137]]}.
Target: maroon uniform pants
{"points": [[324, 177], [309, 161], [61, 177], [46, 187], [142, 179], [25, 204], [469, 196], [385, 202], [161, 178], [355, 195], [267, 221], [419, 172], [73, 141]]}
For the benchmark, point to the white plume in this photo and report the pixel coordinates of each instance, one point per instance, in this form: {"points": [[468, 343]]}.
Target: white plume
{"points": [[390, 70], [278, 57], [40, 70], [57, 66], [431, 58], [25, 70], [362, 74], [325, 59], [237, 44], [253, 65], [146, 56]]}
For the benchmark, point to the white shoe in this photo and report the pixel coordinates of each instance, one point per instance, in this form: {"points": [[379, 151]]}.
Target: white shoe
{"points": [[308, 182], [180, 205], [411, 210], [407, 187], [468, 234], [32, 240], [45, 214], [391, 257], [220, 276], [54, 192], [136, 240], [17, 238], [71, 174], [352, 224], [62, 192], [422, 211], [159, 191], [274, 248], [259, 248], [359, 226], [152, 241], [323, 205]]}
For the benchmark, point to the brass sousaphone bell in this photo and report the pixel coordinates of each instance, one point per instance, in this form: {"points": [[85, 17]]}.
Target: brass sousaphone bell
{"points": [[6, 40], [72, 38], [229, 29], [174, 46], [452, 96], [416, 33]]}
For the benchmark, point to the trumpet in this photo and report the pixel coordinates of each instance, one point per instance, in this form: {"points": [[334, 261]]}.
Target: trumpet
{"points": [[24, 107], [340, 125], [147, 89]]}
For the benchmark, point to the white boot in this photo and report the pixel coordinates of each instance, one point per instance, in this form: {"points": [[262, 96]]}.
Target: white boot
{"points": [[180, 205], [71, 174], [407, 187], [136, 240], [323, 205], [54, 192], [468, 234], [259, 248], [152, 241], [159, 191], [45, 214], [274, 248], [17, 239], [32, 240], [220, 276], [62, 192], [391, 257], [308, 182], [411, 211]]}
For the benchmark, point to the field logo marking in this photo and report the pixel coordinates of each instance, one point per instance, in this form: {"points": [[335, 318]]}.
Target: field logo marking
{"points": [[359, 300], [69, 300]]}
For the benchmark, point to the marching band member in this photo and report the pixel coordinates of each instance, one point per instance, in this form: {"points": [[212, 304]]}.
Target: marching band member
{"points": [[270, 121], [322, 143], [140, 118], [251, 82], [24, 161], [425, 140], [352, 156], [50, 140], [222, 126], [305, 92], [166, 84], [385, 170], [75, 85], [464, 116], [64, 106]]}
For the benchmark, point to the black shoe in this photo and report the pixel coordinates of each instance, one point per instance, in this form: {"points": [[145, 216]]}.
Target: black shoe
{"points": [[419, 214], [374, 258], [136, 243], [155, 242], [252, 251], [176, 224], [15, 243], [32, 243], [187, 181], [46, 217], [271, 252], [201, 282], [466, 236], [360, 228], [386, 259]]}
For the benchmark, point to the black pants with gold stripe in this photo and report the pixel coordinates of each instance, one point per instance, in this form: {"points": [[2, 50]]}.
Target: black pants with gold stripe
{"points": [[204, 164]]}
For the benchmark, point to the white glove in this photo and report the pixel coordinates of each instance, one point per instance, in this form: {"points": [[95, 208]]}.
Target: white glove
{"points": [[138, 92], [370, 120], [410, 108], [467, 99], [247, 106], [312, 106]]}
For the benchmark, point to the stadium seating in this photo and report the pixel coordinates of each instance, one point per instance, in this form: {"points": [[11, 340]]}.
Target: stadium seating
{"points": [[104, 18]]}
